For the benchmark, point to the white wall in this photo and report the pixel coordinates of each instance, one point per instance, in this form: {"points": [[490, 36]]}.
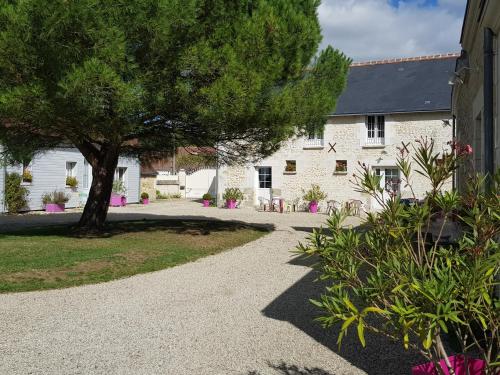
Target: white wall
{"points": [[200, 182], [49, 173]]}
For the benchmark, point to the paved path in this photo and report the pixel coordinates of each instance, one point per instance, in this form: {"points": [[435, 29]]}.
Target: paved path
{"points": [[244, 311]]}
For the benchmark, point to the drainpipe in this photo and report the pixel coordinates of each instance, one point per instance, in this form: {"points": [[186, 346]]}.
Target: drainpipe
{"points": [[489, 161], [454, 138]]}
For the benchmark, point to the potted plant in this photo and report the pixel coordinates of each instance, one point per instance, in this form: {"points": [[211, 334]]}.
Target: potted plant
{"points": [[207, 199], [145, 198], [313, 196], [231, 195], [118, 197], [27, 177], [71, 182], [55, 201]]}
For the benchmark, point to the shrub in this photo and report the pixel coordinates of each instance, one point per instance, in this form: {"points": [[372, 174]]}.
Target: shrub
{"points": [[119, 187], [16, 196], [207, 197], [232, 194], [71, 182], [55, 197], [144, 195], [406, 269], [315, 194]]}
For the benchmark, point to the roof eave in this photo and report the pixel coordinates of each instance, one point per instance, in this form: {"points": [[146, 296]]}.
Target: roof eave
{"points": [[389, 112]]}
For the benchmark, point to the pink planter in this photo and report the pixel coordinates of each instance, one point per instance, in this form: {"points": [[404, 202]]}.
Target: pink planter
{"points": [[118, 200], [145, 201], [476, 367], [53, 207], [206, 203], [313, 207], [231, 203]]}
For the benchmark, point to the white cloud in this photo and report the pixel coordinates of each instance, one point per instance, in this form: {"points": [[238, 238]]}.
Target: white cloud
{"points": [[372, 29]]}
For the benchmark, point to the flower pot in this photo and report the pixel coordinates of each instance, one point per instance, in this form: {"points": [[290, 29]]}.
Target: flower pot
{"points": [[476, 366], [118, 200], [313, 207], [145, 200], [206, 203], [231, 203], [55, 207]]}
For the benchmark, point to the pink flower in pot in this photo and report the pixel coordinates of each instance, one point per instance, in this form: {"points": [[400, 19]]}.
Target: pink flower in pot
{"points": [[313, 196], [231, 195], [207, 199], [145, 198]]}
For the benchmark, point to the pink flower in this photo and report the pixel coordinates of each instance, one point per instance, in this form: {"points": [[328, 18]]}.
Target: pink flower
{"points": [[468, 149]]}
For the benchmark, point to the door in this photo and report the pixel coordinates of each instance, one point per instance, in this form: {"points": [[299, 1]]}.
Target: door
{"points": [[265, 182], [389, 182]]}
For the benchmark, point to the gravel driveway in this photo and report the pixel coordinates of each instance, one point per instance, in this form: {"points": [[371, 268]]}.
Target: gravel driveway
{"points": [[244, 311]]}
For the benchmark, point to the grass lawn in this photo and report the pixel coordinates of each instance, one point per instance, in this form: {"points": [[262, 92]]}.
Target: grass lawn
{"points": [[51, 257]]}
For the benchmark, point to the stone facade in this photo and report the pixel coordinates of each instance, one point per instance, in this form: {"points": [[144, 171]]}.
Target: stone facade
{"points": [[317, 164], [468, 103]]}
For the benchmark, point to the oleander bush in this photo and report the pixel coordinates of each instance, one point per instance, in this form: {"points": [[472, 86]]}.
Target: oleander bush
{"points": [[428, 271]]}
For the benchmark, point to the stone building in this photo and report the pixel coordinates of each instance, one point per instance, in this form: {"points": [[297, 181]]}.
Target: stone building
{"points": [[385, 103], [476, 87]]}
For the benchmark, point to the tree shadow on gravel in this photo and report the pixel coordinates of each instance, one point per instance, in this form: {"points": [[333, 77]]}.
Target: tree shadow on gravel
{"points": [[286, 369], [381, 355], [133, 223]]}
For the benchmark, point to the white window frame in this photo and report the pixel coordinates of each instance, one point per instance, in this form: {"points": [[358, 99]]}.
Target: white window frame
{"points": [[375, 130], [315, 139], [70, 169], [264, 180]]}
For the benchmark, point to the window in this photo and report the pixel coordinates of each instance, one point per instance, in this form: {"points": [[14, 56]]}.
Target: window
{"points": [[27, 176], [265, 178], [314, 139], [291, 166], [120, 174], [341, 166], [70, 169], [390, 180], [375, 130]]}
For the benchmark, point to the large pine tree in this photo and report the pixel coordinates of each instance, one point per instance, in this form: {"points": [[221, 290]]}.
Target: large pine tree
{"points": [[130, 77]]}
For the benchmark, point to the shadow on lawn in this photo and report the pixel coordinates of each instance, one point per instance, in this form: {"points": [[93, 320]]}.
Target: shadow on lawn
{"points": [[286, 369], [381, 355], [134, 223]]}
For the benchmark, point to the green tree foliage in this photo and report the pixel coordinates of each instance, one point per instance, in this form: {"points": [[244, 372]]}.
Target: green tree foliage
{"points": [[133, 77], [16, 195], [428, 270]]}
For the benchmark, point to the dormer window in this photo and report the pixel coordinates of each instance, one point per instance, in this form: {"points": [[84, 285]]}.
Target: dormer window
{"points": [[375, 130]]}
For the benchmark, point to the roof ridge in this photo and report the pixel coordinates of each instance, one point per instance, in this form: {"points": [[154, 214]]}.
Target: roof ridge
{"points": [[407, 59]]}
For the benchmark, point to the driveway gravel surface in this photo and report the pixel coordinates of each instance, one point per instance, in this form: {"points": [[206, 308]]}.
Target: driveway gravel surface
{"points": [[244, 311]]}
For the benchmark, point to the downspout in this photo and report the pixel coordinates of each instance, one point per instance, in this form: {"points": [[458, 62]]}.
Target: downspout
{"points": [[454, 138], [489, 161]]}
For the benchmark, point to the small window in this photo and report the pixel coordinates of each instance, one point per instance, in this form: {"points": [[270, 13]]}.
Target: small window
{"points": [[27, 176], [375, 130], [265, 178], [70, 169], [291, 166], [341, 166], [120, 173]]}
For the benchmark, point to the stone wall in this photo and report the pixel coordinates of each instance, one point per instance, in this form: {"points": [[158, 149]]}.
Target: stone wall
{"points": [[317, 166], [148, 185]]}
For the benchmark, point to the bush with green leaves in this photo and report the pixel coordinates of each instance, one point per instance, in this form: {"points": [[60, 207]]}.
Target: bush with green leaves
{"points": [[315, 194], [232, 194], [425, 286], [16, 196], [144, 195], [207, 197], [55, 197]]}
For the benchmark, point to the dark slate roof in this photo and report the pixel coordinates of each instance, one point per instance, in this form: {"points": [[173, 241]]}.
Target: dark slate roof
{"points": [[397, 86]]}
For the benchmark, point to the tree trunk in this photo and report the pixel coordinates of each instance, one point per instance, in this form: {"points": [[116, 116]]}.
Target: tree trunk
{"points": [[96, 208]]}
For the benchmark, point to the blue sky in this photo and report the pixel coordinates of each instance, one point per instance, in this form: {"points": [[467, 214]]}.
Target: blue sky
{"points": [[377, 29]]}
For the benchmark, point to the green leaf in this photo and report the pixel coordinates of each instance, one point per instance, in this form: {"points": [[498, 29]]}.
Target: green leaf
{"points": [[361, 332], [373, 309], [347, 323], [350, 305], [428, 340]]}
